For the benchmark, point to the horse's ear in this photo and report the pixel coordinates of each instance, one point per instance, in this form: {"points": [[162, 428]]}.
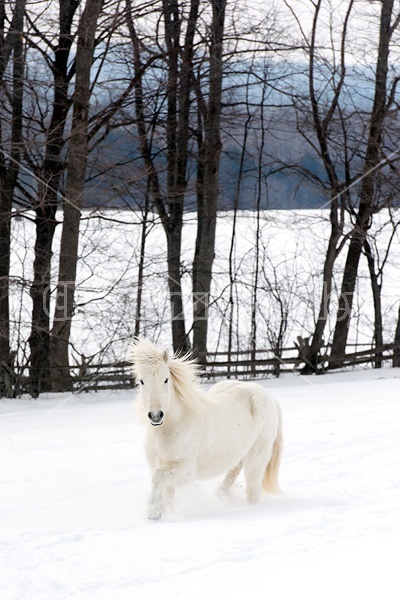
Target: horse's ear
{"points": [[165, 356]]}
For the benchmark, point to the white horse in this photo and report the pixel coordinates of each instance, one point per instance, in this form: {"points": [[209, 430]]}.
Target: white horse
{"points": [[195, 435]]}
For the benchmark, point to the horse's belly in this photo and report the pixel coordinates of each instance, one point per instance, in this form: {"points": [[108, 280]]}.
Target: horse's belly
{"points": [[214, 468], [224, 452]]}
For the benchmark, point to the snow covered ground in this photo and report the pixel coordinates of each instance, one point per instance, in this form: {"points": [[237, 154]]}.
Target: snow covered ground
{"points": [[73, 488]]}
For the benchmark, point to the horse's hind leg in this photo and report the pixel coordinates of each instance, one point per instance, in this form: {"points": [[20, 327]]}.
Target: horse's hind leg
{"points": [[230, 479], [255, 463], [169, 498]]}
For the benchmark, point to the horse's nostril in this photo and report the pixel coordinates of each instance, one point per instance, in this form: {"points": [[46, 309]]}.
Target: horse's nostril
{"points": [[156, 417]]}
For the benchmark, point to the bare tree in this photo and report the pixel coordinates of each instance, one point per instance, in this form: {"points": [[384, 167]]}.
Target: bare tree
{"points": [[140, 278], [368, 203], [76, 173], [324, 117], [11, 44], [178, 57], [208, 185], [396, 352], [48, 177], [233, 242], [257, 260]]}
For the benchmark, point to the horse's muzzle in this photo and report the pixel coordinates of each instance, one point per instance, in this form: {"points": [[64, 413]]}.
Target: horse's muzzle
{"points": [[156, 419]]}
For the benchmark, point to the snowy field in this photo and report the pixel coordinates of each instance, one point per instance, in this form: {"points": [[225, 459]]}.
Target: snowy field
{"points": [[74, 486]]}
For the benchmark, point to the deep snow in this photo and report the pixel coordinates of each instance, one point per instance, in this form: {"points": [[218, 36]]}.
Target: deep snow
{"points": [[74, 485]]}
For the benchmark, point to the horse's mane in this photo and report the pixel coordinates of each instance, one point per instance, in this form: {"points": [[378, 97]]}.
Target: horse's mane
{"points": [[146, 358], [184, 376]]}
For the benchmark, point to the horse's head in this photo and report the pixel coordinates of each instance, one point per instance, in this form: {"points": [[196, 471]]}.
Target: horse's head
{"points": [[153, 376], [155, 394]]}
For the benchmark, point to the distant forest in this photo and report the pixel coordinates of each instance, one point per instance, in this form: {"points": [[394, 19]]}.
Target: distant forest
{"points": [[282, 188]]}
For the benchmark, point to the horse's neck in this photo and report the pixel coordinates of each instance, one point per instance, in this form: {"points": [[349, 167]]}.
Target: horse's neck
{"points": [[181, 409]]}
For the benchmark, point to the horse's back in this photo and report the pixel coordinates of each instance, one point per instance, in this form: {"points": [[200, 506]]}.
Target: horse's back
{"points": [[222, 386], [242, 391], [252, 398]]}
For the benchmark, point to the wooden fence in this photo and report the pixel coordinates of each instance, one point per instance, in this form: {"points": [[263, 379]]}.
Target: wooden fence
{"points": [[238, 364]]}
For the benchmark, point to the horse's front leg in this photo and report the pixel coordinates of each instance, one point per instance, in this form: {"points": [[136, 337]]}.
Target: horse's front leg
{"points": [[166, 479]]}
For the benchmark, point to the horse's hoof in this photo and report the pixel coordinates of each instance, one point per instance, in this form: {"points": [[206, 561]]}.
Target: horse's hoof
{"points": [[154, 516]]}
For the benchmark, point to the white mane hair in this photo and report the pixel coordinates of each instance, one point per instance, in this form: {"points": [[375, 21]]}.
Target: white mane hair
{"points": [[147, 357]]}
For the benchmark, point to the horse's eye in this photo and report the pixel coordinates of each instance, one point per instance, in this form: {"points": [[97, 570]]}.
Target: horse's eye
{"points": [[141, 382], [166, 381]]}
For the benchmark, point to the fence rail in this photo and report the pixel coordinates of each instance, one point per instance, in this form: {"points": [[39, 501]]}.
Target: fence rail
{"points": [[267, 362]]}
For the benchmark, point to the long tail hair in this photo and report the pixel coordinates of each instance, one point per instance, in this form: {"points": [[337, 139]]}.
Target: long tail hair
{"points": [[270, 481]]}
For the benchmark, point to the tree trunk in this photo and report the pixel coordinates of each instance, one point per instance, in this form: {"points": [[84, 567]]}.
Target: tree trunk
{"points": [[202, 268], [231, 266], [180, 339], [208, 198], [177, 134], [254, 299], [5, 238], [376, 288], [396, 351], [76, 171], [12, 43], [39, 339], [46, 208], [140, 278], [346, 298], [312, 358]]}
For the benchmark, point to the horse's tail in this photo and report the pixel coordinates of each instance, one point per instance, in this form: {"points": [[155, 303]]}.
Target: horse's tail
{"points": [[270, 481]]}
